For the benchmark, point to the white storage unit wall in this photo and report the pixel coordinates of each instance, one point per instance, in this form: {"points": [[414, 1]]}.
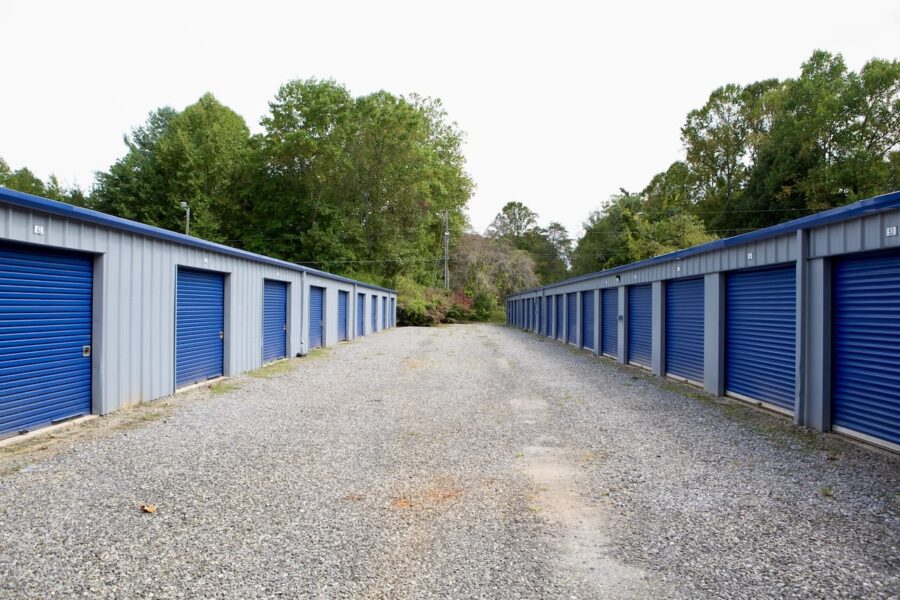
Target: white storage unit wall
{"points": [[134, 271], [802, 317]]}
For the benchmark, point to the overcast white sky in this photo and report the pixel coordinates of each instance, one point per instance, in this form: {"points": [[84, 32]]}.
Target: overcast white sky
{"points": [[563, 102]]}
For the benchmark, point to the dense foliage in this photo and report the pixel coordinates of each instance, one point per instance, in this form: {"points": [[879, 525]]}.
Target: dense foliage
{"points": [[757, 155]]}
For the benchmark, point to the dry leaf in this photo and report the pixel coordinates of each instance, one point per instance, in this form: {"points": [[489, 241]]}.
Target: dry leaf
{"points": [[148, 508]]}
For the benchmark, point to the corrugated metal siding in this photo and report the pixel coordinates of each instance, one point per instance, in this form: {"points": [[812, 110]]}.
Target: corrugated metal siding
{"points": [[360, 315], [640, 324], [866, 346], [316, 317], [609, 332], [374, 309], [342, 316], [199, 326], [393, 312], [684, 328], [134, 303], [571, 318], [45, 323], [275, 320], [384, 307], [760, 334], [587, 319]]}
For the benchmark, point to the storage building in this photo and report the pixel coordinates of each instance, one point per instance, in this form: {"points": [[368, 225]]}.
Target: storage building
{"points": [[802, 318], [98, 312]]}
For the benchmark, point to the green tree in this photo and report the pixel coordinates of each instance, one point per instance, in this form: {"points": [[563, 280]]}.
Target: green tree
{"points": [[197, 156], [512, 222]]}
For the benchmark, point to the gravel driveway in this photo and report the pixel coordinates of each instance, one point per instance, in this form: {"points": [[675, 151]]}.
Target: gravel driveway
{"points": [[467, 461]]}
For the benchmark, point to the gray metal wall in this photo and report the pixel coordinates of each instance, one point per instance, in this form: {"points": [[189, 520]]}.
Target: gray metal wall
{"points": [[810, 250], [134, 303]]}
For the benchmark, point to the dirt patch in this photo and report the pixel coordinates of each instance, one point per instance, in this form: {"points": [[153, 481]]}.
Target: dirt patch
{"points": [[584, 524], [440, 491]]}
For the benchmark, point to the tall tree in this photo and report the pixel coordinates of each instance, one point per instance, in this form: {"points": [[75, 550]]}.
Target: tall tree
{"points": [[512, 222], [197, 156]]}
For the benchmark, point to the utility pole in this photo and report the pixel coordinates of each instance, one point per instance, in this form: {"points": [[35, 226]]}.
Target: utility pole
{"points": [[446, 249], [187, 218]]}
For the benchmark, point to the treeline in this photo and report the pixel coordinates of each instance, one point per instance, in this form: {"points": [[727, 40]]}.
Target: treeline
{"points": [[757, 155], [359, 185], [354, 185]]}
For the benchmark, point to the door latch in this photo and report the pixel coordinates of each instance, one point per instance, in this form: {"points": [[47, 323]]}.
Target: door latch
{"points": [[221, 335], [85, 351]]}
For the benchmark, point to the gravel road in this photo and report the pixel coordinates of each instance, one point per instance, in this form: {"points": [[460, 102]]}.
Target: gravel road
{"points": [[455, 462]]}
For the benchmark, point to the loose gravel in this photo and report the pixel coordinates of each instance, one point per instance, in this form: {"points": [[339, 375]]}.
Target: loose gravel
{"points": [[455, 462]]}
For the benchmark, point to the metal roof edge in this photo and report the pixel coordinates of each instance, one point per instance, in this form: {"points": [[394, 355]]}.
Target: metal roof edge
{"points": [[32, 202], [841, 213]]}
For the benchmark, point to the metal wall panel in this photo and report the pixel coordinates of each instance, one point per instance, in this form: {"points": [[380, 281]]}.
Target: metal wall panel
{"points": [[684, 319], [134, 302], [360, 315], [374, 309], [609, 331], [275, 320], [571, 317], [316, 317], [640, 325], [866, 346], [384, 312], [587, 319], [342, 316], [45, 327], [760, 335], [393, 314], [199, 326]]}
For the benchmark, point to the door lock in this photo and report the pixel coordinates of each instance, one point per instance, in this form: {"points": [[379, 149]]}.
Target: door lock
{"points": [[221, 335], [85, 351]]}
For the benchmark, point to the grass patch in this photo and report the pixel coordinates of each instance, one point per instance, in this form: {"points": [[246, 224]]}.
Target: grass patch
{"points": [[223, 387], [317, 353], [826, 491], [274, 369]]}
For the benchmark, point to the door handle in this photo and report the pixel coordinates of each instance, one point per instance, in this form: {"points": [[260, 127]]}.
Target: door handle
{"points": [[221, 335]]}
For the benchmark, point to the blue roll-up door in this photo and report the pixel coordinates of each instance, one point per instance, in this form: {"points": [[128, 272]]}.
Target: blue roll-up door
{"points": [[342, 316], [45, 337], [199, 326], [587, 320], [316, 317], [360, 315], [609, 332], [760, 334], [640, 324], [374, 309], [548, 320], [572, 318], [559, 317], [866, 346], [684, 328], [537, 315], [274, 320]]}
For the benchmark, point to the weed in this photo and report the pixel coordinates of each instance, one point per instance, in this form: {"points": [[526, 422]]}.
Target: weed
{"points": [[274, 369], [826, 491], [223, 387]]}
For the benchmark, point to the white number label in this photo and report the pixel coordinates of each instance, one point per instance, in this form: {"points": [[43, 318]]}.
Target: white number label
{"points": [[38, 230], [891, 231]]}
